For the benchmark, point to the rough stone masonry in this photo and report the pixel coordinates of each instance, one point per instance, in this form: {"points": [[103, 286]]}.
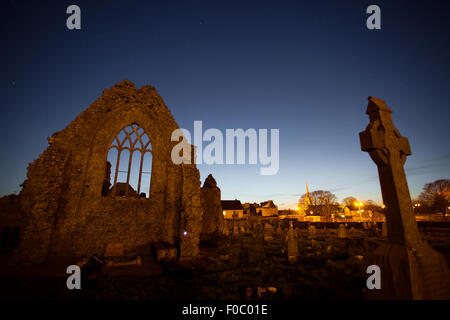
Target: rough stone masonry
{"points": [[62, 210]]}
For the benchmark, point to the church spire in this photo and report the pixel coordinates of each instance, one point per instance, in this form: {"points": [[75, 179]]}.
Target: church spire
{"points": [[307, 200]]}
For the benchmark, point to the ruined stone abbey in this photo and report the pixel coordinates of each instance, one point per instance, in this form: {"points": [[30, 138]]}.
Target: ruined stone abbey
{"points": [[75, 201]]}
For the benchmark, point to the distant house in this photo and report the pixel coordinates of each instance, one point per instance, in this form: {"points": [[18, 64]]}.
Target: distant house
{"points": [[348, 212], [267, 209], [250, 209], [287, 212], [232, 209]]}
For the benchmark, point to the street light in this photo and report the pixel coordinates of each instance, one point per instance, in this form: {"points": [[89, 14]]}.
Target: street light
{"points": [[359, 204]]}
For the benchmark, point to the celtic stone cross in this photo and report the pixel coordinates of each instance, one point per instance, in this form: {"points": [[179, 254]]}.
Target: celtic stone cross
{"points": [[388, 149]]}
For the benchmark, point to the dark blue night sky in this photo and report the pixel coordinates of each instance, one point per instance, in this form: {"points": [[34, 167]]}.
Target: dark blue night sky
{"points": [[305, 68]]}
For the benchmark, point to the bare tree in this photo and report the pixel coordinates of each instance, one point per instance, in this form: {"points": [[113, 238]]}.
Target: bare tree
{"points": [[436, 195], [349, 201], [322, 201]]}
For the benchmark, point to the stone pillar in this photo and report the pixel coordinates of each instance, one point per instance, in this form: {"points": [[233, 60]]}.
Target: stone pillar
{"points": [[213, 221], [410, 268]]}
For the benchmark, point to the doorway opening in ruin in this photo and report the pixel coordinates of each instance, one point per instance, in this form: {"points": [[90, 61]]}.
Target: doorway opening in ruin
{"points": [[129, 164], [4, 237], [14, 240]]}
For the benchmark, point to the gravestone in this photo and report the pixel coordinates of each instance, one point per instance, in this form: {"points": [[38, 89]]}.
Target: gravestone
{"points": [[258, 231], [243, 255], [292, 244], [373, 231], [279, 231], [268, 232], [235, 231], [315, 244], [384, 231], [256, 250], [298, 232], [341, 232], [92, 273], [311, 232], [225, 230], [410, 268]]}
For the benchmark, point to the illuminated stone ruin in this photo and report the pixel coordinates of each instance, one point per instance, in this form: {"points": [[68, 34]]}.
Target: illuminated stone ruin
{"points": [[107, 178]]}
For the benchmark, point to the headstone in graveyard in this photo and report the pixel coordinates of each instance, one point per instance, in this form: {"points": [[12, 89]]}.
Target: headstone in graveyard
{"points": [[225, 230], [373, 231], [384, 230], [243, 257], [257, 231], [92, 273], [279, 230], [298, 232], [256, 250], [410, 268], [268, 232], [292, 244], [235, 231], [311, 231], [315, 244], [341, 232]]}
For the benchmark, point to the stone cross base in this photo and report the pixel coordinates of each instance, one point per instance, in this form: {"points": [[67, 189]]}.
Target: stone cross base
{"points": [[411, 272]]}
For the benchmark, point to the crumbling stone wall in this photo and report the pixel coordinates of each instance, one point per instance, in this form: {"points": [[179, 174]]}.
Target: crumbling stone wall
{"points": [[66, 214]]}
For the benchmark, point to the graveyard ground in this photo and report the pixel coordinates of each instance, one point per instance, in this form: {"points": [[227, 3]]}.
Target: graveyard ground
{"points": [[328, 268]]}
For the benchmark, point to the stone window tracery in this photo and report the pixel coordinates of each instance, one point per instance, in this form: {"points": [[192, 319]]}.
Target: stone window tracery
{"points": [[129, 164]]}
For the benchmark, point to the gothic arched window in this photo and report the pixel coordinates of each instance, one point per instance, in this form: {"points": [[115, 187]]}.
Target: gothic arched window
{"points": [[129, 164]]}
